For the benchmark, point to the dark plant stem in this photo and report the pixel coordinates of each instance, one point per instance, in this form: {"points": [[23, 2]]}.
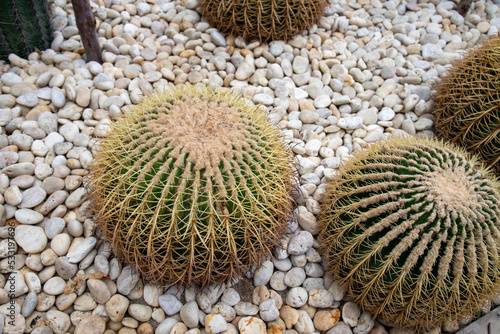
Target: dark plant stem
{"points": [[85, 22]]}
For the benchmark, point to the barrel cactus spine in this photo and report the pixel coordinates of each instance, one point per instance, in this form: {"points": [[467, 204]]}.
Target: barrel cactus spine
{"points": [[193, 187], [24, 26], [410, 227], [468, 102], [263, 20]]}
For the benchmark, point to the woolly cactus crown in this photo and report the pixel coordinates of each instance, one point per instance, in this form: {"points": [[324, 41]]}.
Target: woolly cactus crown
{"points": [[192, 186], [411, 228], [468, 102]]}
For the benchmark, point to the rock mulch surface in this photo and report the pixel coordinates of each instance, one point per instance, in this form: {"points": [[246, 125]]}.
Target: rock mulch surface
{"points": [[364, 72]]}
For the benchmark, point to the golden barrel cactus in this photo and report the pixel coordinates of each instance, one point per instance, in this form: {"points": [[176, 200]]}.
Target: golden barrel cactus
{"points": [[410, 227], [263, 20], [468, 103], [192, 186]]}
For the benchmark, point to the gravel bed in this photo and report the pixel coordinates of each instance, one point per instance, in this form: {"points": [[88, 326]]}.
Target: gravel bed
{"points": [[364, 72]]}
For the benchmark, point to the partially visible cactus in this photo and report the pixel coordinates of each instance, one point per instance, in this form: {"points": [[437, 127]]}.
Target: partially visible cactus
{"points": [[468, 103], [24, 26], [192, 186], [263, 20], [410, 227]]}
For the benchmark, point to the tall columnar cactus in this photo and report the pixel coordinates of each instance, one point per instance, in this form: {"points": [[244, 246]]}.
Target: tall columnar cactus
{"points": [[410, 227], [192, 186], [263, 20], [468, 102], [24, 26]]}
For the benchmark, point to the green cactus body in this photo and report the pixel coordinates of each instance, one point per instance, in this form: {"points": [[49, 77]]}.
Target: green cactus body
{"points": [[468, 103], [24, 26], [192, 186], [262, 19], [410, 227]]}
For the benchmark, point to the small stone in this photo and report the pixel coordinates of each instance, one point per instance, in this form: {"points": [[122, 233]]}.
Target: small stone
{"points": [[60, 244], [230, 296], [245, 308], [251, 325], [386, 114], [264, 99], [140, 312], [324, 320], [116, 307], [29, 304], [103, 82], [300, 64], [320, 298], [16, 324], [365, 324], [296, 297], [29, 217], [215, 323], [64, 268], [17, 286], [225, 310], [127, 280], [169, 304], [23, 168], [308, 116], [54, 286], [308, 221], [268, 310], [189, 314], [28, 100], [32, 197], [76, 198], [245, 71], [350, 314], [276, 327], [99, 291], [166, 326], [289, 315], [343, 328], [64, 301], [8, 158], [57, 97], [91, 324], [300, 243], [263, 273], [82, 96], [304, 324], [38, 148], [13, 196], [217, 38], [151, 291], [312, 147], [85, 302], [179, 328], [31, 238], [54, 226], [76, 254], [295, 277], [387, 72], [350, 123], [58, 321], [322, 101], [423, 124], [260, 294]]}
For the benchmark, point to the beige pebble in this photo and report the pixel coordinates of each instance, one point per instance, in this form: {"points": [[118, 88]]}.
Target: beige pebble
{"points": [[324, 320]]}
